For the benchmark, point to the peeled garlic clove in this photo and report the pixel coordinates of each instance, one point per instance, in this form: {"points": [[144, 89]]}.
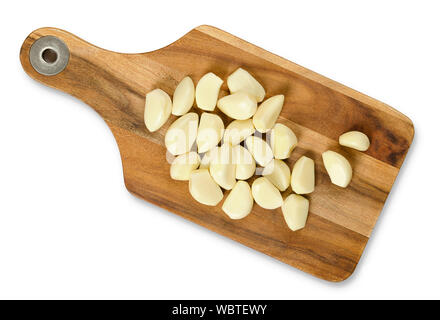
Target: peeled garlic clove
{"points": [[355, 139], [295, 210], [338, 168], [207, 91], [210, 131], [183, 97], [222, 167], [241, 80], [265, 194], [203, 188], [282, 141], [245, 163], [183, 165], [278, 173], [303, 176], [157, 109], [237, 131], [259, 149], [239, 105], [267, 113], [239, 202], [182, 133]]}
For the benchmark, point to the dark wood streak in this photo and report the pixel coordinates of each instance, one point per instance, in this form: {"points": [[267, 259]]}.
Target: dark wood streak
{"points": [[108, 89]]}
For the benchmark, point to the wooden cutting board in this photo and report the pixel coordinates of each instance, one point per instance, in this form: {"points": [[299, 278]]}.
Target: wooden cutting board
{"points": [[316, 108]]}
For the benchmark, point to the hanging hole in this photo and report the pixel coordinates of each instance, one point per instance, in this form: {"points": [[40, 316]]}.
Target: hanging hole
{"points": [[49, 55]]}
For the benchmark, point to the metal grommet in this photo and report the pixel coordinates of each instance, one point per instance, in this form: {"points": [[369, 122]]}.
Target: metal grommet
{"points": [[49, 55]]}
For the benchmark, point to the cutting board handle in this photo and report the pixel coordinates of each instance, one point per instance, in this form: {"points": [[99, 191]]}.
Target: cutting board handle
{"points": [[44, 48], [110, 82]]}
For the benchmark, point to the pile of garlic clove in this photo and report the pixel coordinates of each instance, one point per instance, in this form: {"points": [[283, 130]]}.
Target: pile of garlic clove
{"points": [[225, 158]]}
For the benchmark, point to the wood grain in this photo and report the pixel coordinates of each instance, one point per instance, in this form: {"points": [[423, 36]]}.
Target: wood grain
{"points": [[316, 108]]}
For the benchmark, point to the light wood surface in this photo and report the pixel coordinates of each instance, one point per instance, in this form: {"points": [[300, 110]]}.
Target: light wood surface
{"points": [[316, 108]]}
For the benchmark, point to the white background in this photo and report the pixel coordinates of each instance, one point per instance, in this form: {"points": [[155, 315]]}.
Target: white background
{"points": [[69, 228]]}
